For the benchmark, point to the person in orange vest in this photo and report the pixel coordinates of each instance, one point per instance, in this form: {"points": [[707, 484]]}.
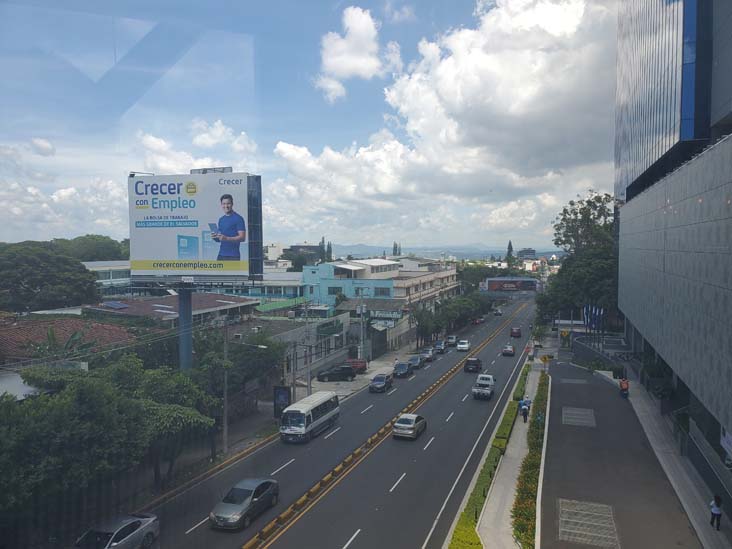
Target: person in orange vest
{"points": [[624, 386]]}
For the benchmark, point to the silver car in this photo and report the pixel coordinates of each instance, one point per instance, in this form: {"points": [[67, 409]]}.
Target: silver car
{"points": [[409, 426], [244, 502], [135, 531]]}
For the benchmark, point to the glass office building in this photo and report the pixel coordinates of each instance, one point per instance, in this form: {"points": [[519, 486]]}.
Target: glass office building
{"points": [[663, 92]]}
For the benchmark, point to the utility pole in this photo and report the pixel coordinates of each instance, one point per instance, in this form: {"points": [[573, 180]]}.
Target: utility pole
{"points": [[226, 386]]}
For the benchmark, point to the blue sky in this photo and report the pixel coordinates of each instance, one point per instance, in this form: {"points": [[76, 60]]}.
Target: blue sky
{"points": [[426, 122]]}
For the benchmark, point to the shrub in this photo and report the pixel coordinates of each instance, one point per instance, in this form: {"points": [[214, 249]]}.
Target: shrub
{"points": [[524, 506], [500, 443], [519, 393]]}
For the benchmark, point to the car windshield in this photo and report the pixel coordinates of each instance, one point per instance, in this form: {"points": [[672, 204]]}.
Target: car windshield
{"points": [[405, 421], [237, 496], [401, 366], [379, 379], [293, 419], [94, 539], [483, 385], [413, 359]]}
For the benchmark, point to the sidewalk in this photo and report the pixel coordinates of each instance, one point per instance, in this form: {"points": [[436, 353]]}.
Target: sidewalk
{"points": [[686, 482], [494, 523]]}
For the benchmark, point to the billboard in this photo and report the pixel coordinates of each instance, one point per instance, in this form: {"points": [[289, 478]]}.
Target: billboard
{"points": [[508, 285], [191, 225]]}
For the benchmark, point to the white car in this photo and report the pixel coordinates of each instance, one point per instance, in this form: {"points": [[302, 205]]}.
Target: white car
{"points": [[463, 345]]}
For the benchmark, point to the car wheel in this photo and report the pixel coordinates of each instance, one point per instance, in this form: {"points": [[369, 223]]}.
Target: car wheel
{"points": [[148, 540], [246, 522], [274, 500], [350, 378]]}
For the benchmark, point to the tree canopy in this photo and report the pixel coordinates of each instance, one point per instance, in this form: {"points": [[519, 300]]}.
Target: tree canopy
{"points": [[34, 275]]}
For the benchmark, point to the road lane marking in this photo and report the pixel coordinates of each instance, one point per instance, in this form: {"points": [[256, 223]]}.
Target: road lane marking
{"points": [[333, 432], [411, 378], [492, 363], [470, 455], [196, 526], [391, 392], [352, 538], [285, 528], [464, 398], [428, 367], [367, 409], [397, 482], [428, 444], [449, 417], [273, 473]]}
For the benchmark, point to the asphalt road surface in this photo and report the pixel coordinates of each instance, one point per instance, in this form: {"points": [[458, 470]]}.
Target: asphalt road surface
{"points": [[362, 500]]}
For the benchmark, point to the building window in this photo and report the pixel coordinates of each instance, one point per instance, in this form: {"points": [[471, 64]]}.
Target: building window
{"points": [[334, 290], [382, 292]]}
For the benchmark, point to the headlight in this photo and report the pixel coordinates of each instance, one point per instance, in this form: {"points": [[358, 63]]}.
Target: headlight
{"points": [[211, 516]]}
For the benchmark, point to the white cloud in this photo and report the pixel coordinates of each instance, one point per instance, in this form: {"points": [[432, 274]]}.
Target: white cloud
{"points": [[42, 146], [354, 54], [244, 144], [505, 122], [331, 87], [208, 136], [161, 157], [399, 15]]}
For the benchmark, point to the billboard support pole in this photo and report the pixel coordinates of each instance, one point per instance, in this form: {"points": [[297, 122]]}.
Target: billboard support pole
{"points": [[185, 328]]}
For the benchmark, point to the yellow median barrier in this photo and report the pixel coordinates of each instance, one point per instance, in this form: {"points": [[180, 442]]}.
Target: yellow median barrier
{"points": [[302, 502], [286, 515], [314, 491], [268, 530], [326, 479], [348, 459], [252, 543]]}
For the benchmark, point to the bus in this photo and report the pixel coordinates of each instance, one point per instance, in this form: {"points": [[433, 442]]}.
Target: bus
{"points": [[308, 417]]}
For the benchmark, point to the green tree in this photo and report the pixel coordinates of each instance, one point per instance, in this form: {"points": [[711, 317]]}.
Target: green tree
{"points": [[509, 254], [329, 252], [124, 249], [588, 273], [34, 276], [91, 247], [585, 223], [53, 348]]}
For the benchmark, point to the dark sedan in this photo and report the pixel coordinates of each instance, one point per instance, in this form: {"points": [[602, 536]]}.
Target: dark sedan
{"points": [[403, 369], [417, 361], [337, 373], [440, 346]]}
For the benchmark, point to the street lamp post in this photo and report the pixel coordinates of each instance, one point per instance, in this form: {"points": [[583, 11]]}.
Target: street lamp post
{"points": [[225, 411]]}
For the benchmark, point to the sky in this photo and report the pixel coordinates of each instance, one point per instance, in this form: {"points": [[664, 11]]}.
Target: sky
{"points": [[426, 122]]}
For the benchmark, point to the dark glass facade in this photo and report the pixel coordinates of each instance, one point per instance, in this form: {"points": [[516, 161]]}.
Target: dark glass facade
{"points": [[663, 96]]}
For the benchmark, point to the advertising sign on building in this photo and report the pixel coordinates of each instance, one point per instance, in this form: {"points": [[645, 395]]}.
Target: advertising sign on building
{"points": [[182, 225], [725, 441]]}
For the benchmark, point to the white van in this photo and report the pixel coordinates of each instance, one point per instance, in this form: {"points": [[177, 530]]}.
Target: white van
{"points": [[306, 418]]}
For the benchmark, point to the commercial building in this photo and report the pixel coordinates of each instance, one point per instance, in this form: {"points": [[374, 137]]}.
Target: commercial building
{"points": [[526, 253], [389, 289], [673, 183]]}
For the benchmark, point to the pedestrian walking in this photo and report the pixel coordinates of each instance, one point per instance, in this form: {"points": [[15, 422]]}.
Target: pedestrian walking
{"points": [[521, 404], [527, 401], [716, 507], [525, 412]]}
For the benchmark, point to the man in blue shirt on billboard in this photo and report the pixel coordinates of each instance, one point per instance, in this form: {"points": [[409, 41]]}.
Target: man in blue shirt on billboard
{"points": [[231, 231]]}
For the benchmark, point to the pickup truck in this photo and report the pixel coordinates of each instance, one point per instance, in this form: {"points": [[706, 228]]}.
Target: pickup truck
{"points": [[483, 388]]}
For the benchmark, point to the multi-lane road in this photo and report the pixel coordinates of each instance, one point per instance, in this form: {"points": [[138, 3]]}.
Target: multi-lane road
{"points": [[403, 494]]}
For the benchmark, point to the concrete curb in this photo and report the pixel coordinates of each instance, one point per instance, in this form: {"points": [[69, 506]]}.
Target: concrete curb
{"points": [[474, 479], [314, 494], [537, 532]]}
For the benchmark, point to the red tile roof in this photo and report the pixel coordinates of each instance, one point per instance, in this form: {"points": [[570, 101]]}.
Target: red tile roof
{"points": [[15, 338]]}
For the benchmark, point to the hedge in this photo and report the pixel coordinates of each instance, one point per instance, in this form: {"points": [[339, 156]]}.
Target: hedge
{"points": [[465, 536], [506, 426], [527, 484], [519, 393]]}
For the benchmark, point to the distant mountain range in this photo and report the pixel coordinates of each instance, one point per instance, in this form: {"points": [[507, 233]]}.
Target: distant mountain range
{"points": [[469, 251]]}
